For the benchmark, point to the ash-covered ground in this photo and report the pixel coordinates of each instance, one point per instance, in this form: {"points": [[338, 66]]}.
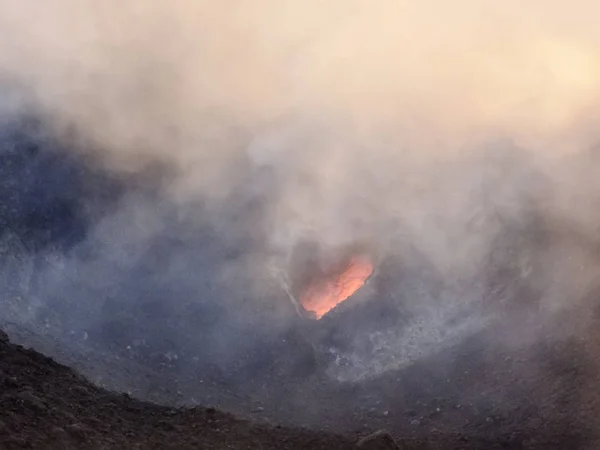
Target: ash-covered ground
{"points": [[48, 406], [171, 303]]}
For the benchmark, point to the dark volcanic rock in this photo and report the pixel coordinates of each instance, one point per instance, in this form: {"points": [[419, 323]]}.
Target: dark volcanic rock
{"points": [[47, 406]]}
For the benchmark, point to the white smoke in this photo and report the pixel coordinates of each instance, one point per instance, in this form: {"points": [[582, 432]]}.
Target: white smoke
{"points": [[367, 119]]}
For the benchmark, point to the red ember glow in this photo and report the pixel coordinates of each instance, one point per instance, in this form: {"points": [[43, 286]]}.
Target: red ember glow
{"points": [[324, 295]]}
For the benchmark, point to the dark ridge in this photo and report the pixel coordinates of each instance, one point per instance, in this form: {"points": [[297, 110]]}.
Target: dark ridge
{"points": [[44, 405]]}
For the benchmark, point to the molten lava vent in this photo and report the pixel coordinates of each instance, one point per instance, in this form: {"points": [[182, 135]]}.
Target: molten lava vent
{"points": [[326, 292]]}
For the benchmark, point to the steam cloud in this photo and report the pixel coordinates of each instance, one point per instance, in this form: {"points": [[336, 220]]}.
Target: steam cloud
{"points": [[444, 123]]}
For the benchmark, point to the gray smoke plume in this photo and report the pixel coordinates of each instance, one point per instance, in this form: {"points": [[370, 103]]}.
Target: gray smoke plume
{"points": [[452, 128]]}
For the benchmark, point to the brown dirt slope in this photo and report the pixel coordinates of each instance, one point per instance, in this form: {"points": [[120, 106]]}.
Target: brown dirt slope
{"points": [[44, 405]]}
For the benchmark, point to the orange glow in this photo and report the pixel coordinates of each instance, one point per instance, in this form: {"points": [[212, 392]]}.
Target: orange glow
{"points": [[324, 295]]}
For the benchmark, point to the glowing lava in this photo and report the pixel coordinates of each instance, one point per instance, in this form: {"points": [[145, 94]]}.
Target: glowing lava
{"points": [[324, 295]]}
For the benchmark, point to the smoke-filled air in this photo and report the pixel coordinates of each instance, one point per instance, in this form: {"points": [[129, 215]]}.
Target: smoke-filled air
{"points": [[256, 191]]}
